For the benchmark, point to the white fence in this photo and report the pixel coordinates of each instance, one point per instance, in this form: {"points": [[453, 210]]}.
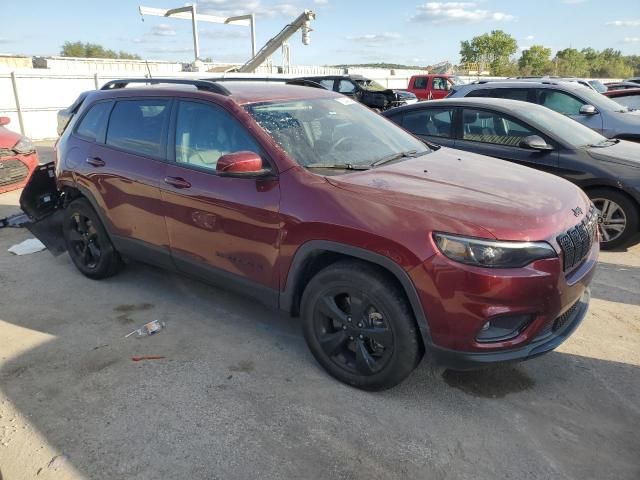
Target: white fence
{"points": [[32, 97]]}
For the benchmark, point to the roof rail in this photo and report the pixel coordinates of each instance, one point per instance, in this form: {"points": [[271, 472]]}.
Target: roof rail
{"points": [[288, 81], [208, 85]]}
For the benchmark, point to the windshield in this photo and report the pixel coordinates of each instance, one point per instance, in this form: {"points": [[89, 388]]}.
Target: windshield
{"points": [[600, 101], [333, 131], [370, 85], [598, 86], [570, 131]]}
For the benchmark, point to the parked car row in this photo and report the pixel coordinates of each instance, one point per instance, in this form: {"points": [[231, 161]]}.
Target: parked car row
{"points": [[384, 245]]}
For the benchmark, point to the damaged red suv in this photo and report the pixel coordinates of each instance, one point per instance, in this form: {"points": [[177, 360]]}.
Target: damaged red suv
{"points": [[18, 158], [385, 247]]}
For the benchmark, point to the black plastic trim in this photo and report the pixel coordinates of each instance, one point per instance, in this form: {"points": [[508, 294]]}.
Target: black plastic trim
{"points": [[308, 249]]}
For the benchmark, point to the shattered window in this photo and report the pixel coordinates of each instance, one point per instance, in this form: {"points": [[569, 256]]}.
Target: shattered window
{"points": [[331, 131]]}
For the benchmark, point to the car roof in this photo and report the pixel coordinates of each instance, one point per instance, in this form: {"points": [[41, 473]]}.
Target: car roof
{"points": [[527, 83], [499, 104], [240, 92]]}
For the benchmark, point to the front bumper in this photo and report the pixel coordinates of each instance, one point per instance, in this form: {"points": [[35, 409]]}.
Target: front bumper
{"points": [[545, 342]]}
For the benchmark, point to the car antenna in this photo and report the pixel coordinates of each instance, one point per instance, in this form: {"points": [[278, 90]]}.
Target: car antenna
{"points": [[148, 69]]}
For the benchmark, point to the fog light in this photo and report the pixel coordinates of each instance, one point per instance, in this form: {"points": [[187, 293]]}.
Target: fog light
{"points": [[499, 329]]}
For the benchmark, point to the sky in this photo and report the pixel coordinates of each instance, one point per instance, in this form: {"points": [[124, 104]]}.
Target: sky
{"points": [[345, 31]]}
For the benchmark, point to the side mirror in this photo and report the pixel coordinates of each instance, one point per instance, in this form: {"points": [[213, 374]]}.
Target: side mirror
{"points": [[588, 110], [4, 121], [240, 163], [534, 142]]}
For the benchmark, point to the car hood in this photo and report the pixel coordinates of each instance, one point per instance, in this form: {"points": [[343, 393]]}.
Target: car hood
{"points": [[623, 153], [8, 138], [509, 201]]}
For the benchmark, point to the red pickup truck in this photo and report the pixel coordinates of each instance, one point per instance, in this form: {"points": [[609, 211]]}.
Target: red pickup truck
{"points": [[431, 86]]}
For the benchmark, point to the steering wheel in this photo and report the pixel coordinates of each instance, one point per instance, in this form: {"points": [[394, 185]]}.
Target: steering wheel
{"points": [[334, 147]]}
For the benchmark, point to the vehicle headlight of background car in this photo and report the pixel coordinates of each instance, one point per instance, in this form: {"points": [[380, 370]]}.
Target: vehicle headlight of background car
{"points": [[24, 146], [493, 254]]}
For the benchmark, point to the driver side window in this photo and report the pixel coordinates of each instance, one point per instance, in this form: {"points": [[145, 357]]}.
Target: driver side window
{"points": [[204, 133], [561, 102]]}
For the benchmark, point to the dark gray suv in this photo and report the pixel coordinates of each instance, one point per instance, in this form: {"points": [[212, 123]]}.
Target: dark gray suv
{"points": [[569, 98]]}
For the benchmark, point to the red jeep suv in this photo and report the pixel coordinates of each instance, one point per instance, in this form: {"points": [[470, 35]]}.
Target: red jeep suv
{"points": [[303, 199]]}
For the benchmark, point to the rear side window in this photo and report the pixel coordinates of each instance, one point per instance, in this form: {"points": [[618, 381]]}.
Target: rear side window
{"points": [[521, 94], [327, 83], [137, 126], [434, 122], [421, 83], [94, 123], [480, 92]]}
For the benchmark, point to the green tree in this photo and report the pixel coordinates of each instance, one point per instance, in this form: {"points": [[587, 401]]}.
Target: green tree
{"points": [[490, 49], [536, 60], [571, 63], [93, 50]]}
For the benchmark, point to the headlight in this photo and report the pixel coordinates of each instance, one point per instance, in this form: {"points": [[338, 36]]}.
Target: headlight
{"points": [[24, 146], [493, 254]]}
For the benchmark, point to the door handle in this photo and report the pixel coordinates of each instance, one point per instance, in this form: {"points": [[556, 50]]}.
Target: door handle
{"points": [[177, 182], [95, 161]]}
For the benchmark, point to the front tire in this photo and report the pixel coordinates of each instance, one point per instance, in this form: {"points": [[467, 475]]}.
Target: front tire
{"points": [[359, 326], [87, 241], [618, 217]]}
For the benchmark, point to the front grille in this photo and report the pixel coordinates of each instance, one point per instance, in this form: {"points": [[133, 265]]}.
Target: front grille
{"points": [[559, 322], [6, 152], [12, 171], [577, 241]]}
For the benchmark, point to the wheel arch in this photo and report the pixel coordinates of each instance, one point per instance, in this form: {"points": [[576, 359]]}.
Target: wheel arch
{"points": [[614, 188], [315, 255]]}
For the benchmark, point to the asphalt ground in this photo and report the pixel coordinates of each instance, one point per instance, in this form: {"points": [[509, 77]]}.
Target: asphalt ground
{"points": [[239, 396]]}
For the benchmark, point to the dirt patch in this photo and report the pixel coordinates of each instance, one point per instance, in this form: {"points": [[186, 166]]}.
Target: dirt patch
{"points": [[127, 309], [245, 366], [494, 382]]}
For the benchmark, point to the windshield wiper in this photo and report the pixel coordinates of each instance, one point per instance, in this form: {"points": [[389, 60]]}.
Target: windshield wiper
{"points": [[606, 143], [396, 156], [339, 166]]}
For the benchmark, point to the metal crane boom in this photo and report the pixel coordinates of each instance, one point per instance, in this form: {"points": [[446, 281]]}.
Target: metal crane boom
{"points": [[276, 42]]}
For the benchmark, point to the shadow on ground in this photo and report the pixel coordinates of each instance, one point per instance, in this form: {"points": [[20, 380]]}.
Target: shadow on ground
{"points": [[239, 396]]}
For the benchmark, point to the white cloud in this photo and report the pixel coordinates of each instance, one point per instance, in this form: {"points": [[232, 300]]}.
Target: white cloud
{"points": [[321, 2], [631, 40], [170, 49], [530, 37], [625, 23], [228, 8], [222, 34], [459, 12], [163, 30], [374, 37]]}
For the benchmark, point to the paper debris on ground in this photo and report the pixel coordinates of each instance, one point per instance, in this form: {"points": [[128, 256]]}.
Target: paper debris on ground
{"points": [[30, 245]]}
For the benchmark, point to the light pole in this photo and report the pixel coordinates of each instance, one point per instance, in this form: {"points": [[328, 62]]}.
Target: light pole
{"points": [[189, 13]]}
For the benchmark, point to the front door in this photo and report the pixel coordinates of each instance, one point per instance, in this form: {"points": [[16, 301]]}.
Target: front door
{"points": [[570, 105], [219, 226], [497, 135]]}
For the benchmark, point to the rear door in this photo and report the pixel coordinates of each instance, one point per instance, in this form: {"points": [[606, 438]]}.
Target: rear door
{"points": [[569, 105], [123, 168], [430, 124], [219, 226], [499, 135]]}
